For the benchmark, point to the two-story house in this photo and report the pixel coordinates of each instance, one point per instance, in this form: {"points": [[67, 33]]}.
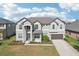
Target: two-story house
{"points": [[7, 28], [33, 28]]}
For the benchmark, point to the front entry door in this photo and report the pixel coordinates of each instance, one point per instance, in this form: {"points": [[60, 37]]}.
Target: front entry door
{"points": [[28, 36]]}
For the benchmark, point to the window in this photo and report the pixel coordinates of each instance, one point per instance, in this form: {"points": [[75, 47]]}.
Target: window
{"points": [[1, 25], [9, 25], [61, 26], [0, 35], [20, 35], [37, 36], [36, 26], [28, 27], [53, 26], [20, 26]]}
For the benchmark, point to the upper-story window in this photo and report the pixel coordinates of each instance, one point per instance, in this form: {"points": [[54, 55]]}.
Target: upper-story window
{"points": [[36, 26], [53, 26], [60, 26], [20, 26], [1, 25], [28, 28]]}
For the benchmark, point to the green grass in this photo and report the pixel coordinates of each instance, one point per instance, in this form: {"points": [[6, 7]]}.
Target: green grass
{"points": [[21, 50], [5, 47], [72, 41], [7, 41], [5, 51]]}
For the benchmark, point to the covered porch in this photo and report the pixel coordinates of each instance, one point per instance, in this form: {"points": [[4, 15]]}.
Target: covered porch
{"points": [[27, 33]]}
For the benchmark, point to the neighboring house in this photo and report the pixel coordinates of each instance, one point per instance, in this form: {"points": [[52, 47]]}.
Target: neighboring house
{"points": [[73, 29], [7, 28], [33, 28]]}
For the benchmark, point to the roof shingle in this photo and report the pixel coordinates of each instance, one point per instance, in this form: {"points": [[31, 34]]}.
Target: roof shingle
{"points": [[74, 26], [2, 20]]}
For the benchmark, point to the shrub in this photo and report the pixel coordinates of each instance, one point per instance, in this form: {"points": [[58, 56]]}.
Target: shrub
{"points": [[74, 42], [0, 42], [45, 38]]}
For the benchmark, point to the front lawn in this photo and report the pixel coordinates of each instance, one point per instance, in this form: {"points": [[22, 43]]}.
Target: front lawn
{"points": [[21, 50], [72, 41]]}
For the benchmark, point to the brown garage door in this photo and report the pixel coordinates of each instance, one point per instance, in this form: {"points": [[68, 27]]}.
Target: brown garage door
{"points": [[56, 36]]}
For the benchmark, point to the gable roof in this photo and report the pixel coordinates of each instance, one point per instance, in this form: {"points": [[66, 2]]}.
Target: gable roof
{"points": [[74, 26], [42, 20], [5, 21]]}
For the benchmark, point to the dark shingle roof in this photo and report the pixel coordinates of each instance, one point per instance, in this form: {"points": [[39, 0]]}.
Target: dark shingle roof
{"points": [[42, 20], [2, 20], [74, 26]]}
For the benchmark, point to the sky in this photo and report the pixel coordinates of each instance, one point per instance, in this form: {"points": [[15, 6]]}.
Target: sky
{"points": [[16, 11]]}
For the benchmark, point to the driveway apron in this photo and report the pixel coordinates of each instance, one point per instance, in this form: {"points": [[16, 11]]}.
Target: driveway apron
{"points": [[65, 49]]}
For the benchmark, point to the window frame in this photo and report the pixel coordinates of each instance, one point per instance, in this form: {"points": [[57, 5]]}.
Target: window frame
{"points": [[20, 26], [53, 26], [37, 36], [61, 26], [36, 26], [1, 25], [20, 35]]}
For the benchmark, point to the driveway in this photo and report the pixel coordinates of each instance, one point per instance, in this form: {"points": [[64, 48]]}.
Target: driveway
{"points": [[64, 49]]}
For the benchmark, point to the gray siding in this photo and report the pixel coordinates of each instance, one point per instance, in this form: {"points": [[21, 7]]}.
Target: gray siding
{"points": [[10, 29]]}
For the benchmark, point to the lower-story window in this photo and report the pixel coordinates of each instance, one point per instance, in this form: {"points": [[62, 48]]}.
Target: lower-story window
{"points": [[0, 35], [19, 35], [37, 36]]}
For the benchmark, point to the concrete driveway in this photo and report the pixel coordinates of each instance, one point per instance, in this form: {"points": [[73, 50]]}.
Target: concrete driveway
{"points": [[64, 49]]}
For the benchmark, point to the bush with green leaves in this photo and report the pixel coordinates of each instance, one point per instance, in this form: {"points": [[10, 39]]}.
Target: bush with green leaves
{"points": [[45, 38]]}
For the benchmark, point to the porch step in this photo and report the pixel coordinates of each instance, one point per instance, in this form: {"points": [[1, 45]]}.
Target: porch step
{"points": [[27, 42]]}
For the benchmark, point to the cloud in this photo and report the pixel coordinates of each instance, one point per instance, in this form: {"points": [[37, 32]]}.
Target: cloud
{"points": [[70, 6], [35, 9], [14, 12], [8, 9], [43, 14]]}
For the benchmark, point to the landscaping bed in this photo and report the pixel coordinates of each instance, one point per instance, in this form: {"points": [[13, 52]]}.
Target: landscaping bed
{"points": [[72, 41], [45, 40]]}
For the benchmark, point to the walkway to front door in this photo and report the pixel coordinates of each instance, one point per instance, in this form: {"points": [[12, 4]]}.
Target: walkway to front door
{"points": [[64, 48]]}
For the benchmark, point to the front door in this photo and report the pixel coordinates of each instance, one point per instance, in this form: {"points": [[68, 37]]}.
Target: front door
{"points": [[28, 36], [27, 28]]}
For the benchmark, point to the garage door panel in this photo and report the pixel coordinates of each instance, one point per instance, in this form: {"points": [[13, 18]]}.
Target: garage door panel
{"points": [[56, 36]]}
